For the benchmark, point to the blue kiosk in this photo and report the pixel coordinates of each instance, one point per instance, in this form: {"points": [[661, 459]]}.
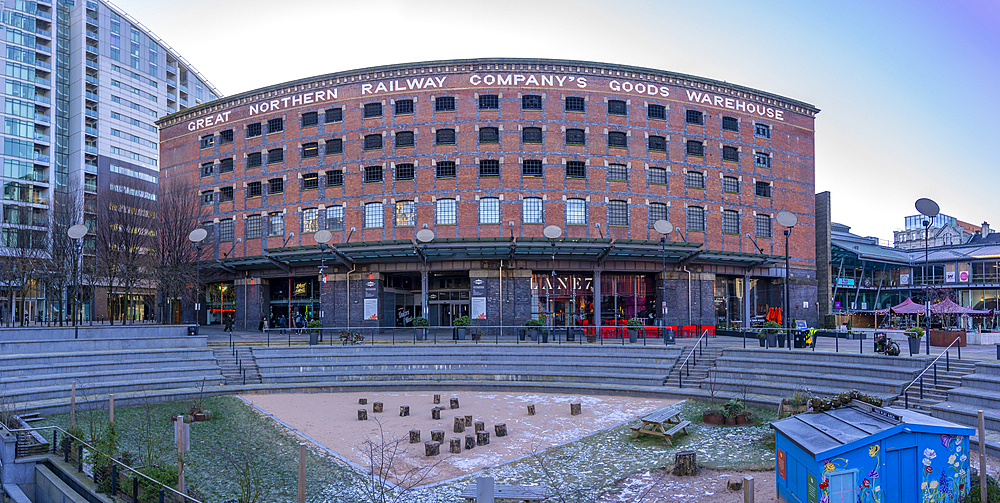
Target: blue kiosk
{"points": [[860, 453]]}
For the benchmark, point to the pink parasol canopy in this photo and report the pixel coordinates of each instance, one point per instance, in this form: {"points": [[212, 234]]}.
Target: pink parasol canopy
{"points": [[908, 307], [946, 306]]}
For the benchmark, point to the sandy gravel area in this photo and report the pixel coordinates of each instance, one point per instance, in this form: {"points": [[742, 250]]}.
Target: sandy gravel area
{"points": [[331, 419]]}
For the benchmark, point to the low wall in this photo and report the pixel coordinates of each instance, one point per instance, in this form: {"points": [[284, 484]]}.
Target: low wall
{"points": [[93, 332], [942, 338]]}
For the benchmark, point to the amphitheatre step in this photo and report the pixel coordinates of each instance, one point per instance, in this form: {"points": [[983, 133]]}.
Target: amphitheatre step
{"points": [[979, 397], [450, 375], [782, 366], [10, 347], [58, 357], [49, 370], [983, 381], [101, 390], [807, 379], [967, 414], [783, 389], [859, 360], [10, 384], [466, 365]]}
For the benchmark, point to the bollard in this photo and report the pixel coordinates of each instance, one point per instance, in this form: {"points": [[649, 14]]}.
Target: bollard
{"points": [[404, 410], [135, 488], [377, 407], [459, 424], [574, 409], [114, 479], [748, 492], [470, 442]]}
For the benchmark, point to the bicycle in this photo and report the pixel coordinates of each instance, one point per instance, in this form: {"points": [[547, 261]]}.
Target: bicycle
{"points": [[885, 345]]}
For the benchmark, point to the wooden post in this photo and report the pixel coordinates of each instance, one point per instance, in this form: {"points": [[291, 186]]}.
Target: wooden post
{"points": [[455, 445], [982, 456], [414, 436], [482, 437], [748, 488], [362, 414], [685, 463], [500, 429], [436, 413], [459, 424], [470, 442], [454, 403], [531, 410], [179, 425], [302, 473], [377, 407], [111, 409], [437, 435], [432, 448], [362, 401], [574, 409], [468, 421], [72, 406], [437, 399], [404, 410]]}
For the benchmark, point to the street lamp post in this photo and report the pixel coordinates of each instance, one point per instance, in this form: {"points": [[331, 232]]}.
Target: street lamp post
{"points": [[929, 209], [552, 232], [788, 220], [664, 227], [424, 236], [197, 236], [76, 233]]}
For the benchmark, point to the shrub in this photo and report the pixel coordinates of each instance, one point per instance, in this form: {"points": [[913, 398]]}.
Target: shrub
{"points": [[914, 332], [770, 327], [992, 489], [633, 323], [313, 325], [462, 321], [420, 321], [531, 322], [797, 399], [734, 408]]}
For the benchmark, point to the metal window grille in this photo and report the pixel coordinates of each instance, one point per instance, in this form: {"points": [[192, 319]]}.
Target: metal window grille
{"points": [[374, 215], [275, 185], [275, 125], [695, 219], [531, 135], [656, 111], [575, 137], [310, 220], [226, 230], [532, 210], [406, 214], [207, 169], [575, 104], [335, 178], [656, 211], [310, 150], [207, 141], [694, 180], [226, 165], [373, 110], [489, 135], [444, 104], [333, 115], [254, 189], [445, 211], [310, 119], [253, 130], [404, 139], [335, 218], [226, 194], [731, 154], [762, 159], [489, 167], [657, 176], [617, 139], [404, 107], [695, 147], [762, 225], [253, 160], [489, 102], [532, 167], [335, 146], [373, 174], [445, 169], [531, 102], [694, 117], [657, 143], [226, 136], [730, 184], [730, 124], [444, 137], [617, 107], [207, 197], [276, 224], [310, 181], [618, 172], [762, 189], [373, 142], [275, 155], [576, 169], [618, 213], [404, 171], [762, 130], [576, 212], [730, 222], [252, 227], [489, 210]]}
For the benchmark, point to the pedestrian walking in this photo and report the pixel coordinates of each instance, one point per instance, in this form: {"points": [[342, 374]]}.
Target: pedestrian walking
{"points": [[228, 321], [263, 323]]}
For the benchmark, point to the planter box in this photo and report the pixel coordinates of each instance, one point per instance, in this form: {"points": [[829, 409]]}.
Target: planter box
{"points": [[942, 338], [712, 418], [914, 343]]}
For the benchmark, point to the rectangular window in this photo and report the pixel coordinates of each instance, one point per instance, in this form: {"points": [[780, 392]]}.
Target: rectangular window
{"points": [[226, 136], [310, 150], [373, 142], [275, 125], [207, 197], [531, 135], [310, 181], [532, 167], [656, 111], [489, 135], [731, 184], [445, 211], [762, 189], [731, 154], [575, 137], [657, 176], [489, 102], [207, 141], [576, 169], [531, 102], [617, 213], [404, 139], [333, 115], [253, 160], [444, 169], [310, 220], [252, 227], [226, 230], [444, 137], [373, 110], [532, 210], [694, 117], [730, 124], [335, 218], [335, 178], [276, 223], [226, 194], [404, 171], [762, 159], [618, 172], [657, 143], [253, 130], [575, 104], [253, 189], [576, 211], [489, 167], [656, 211], [374, 215], [406, 214], [617, 107], [489, 210], [334, 146], [694, 180], [207, 169], [275, 185], [762, 130], [404, 107], [730, 222], [617, 139], [695, 219], [373, 174], [444, 104], [310, 119], [695, 147], [275, 155]]}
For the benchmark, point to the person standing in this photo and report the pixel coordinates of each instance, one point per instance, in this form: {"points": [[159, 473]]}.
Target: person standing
{"points": [[228, 321], [262, 324]]}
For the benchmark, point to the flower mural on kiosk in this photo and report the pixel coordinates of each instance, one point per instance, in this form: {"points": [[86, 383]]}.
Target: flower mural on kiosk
{"points": [[952, 479]]}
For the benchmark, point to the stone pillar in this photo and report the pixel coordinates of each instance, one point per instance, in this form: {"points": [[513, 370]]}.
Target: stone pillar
{"points": [[597, 304], [250, 305]]}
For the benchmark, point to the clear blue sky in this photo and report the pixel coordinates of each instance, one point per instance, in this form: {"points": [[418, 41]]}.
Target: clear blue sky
{"points": [[908, 89]]}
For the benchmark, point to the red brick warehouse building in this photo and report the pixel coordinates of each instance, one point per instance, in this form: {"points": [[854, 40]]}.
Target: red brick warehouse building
{"points": [[485, 154]]}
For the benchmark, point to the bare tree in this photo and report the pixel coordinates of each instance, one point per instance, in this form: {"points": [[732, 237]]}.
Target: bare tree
{"points": [[23, 254], [177, 215], [125, 230], [58, 277], [253, 471], [386, 480]]}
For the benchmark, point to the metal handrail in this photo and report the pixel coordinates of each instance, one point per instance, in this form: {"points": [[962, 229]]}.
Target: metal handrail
{"points": [[914, 381], [680, 368]]}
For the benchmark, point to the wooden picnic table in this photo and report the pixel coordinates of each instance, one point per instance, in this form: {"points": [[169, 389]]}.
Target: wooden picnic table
{"points": [[663, 423], [501, 492]]}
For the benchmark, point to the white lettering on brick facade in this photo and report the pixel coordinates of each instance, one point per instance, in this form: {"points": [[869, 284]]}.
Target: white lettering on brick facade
{"points": [[389, 86], [734, 104], [527, 80], [639, 88], [267, 106]]}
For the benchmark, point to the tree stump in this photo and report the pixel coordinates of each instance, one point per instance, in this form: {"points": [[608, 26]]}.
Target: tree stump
{"points": [[468, 421], [480, 426], [454, 403], [362, 401], [436, 413], [437, 435], [414, 436], [459, 424], [432, 448], [482, 437], [735, 484], [404, 410], [437, 399], [362, 414], [500, 429], [456, 445], [377, 407], [685, 463], [574, 409], [470, 441], [531, 410]]}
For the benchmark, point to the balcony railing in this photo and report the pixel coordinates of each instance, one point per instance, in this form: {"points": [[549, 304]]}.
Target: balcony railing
{"points": [[44, 33], [91, 130], [41, 118], [90, 149], [39, 157], [91, 113], [43, 64], [93, 80], [92, 64], [45, 49], [42, 99], [91, 96]]}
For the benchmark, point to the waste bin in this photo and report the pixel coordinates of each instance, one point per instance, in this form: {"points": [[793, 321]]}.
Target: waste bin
{"points": [[313, 338], [193, 330], [800, 339], [669, 334], [573, 334]]}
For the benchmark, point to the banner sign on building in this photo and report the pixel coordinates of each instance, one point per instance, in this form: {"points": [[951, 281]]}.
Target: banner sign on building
{"points": [[963, 276], [949, 277], [479, 308], [371, 309], [904, 279]]}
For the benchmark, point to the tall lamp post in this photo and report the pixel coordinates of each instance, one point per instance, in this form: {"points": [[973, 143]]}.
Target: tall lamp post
{"points": [[197, 236], [322, 237], [552, 232], [788, 220], [76, 233], [424, 236], [929, 209], [664, 227]]}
